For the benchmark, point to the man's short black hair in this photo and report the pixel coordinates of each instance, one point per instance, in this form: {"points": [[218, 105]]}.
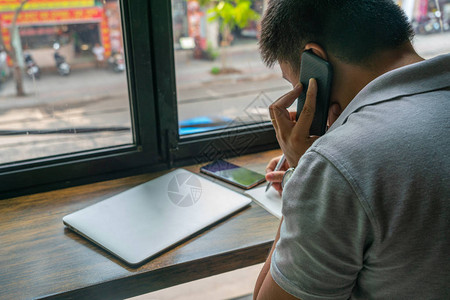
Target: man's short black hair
{"points": [[352, 30]]}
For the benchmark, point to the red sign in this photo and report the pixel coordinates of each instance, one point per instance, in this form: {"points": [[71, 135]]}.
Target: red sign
{"points": [[12, 5], [60, 16]]}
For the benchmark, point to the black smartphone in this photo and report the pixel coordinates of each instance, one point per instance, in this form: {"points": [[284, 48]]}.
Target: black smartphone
{"points": [[236, 175], [313, 66]]}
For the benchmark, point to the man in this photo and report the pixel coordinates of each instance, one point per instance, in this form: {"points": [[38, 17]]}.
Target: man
{"points": [[366, 213], [99, 53]]}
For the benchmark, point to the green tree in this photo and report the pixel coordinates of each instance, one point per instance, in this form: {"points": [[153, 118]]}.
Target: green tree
{"points": [[230, 14]]}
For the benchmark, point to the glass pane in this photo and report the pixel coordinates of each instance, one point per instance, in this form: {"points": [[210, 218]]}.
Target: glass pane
{"points": [[430, 20], [71, 93], [221, 80]]}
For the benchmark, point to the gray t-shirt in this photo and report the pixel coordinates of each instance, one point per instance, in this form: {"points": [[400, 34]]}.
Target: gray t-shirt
{"points": [[367, 210]]}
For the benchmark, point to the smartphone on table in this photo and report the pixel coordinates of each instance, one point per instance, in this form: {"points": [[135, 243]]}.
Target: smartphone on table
{"points": [[312, 66], [231, 173]]}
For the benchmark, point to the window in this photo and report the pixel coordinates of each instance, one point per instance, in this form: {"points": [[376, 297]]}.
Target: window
{"points": [[93, 117], [221, 80], [73, 95], [223, 88], [233, 134]]}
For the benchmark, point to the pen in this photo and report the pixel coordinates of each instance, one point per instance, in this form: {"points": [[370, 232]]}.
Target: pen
{"points": [[277, 168]]}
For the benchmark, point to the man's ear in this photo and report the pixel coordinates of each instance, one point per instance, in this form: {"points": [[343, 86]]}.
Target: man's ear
{"points": [[317, 50]]}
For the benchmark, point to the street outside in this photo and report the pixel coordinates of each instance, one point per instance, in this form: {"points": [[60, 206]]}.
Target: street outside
{"points": [[89, 109]]}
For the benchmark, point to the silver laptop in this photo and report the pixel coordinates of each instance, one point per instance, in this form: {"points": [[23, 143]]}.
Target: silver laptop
{"points": [[147, 219]]}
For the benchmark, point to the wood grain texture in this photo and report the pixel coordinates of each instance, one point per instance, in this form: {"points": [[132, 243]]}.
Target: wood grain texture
{"points": [[40, 258]]}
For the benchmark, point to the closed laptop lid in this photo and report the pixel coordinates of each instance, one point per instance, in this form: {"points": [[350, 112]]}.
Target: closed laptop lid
{"points": [[147, 219]]}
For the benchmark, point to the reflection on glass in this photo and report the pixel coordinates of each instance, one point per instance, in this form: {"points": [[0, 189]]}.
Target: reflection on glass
{"points": [[63, 85], [221, 80]]}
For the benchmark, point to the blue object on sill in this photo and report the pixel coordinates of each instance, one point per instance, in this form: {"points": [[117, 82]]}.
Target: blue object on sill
{"points": [[202, 124]]}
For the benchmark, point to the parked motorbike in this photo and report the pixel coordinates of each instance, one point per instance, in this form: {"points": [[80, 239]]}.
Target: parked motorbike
{"points": [[5, 71], [61, 65], [116, 62], [32, 68]]}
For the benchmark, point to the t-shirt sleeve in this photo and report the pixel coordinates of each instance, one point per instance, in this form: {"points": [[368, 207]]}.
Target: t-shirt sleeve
{"points": [[323, 235]]}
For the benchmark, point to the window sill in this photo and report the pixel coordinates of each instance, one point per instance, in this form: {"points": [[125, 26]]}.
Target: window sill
{"points": [[42, 259]]}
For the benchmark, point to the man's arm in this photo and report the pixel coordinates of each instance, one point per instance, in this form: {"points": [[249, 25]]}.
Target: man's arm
{"points": [[270, 290], [266, 287], [266, 268]]}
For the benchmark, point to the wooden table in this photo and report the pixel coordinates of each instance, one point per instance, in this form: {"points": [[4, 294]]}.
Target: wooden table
{"points": [[40, 258]]}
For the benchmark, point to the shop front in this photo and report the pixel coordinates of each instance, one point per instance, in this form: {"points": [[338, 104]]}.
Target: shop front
{"points": [[75, 25]]}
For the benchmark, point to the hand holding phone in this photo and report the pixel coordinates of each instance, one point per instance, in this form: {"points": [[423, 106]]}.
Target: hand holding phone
{"points": [[294, 136], [313, 95], [312, 66]]}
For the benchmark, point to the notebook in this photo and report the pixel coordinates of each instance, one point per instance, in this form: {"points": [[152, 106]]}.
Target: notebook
{"points": [[270, 200], [147, 219]]}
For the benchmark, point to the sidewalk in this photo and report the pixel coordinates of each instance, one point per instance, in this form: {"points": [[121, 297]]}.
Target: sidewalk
{"points": [[82, 85], [192, 72]]}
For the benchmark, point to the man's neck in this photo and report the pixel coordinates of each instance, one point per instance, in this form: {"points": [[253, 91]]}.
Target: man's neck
{"points": [[350, 79]]}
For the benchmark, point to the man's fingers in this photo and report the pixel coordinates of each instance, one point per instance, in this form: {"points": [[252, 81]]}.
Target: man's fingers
{"points": [[285, 101], [272, 164], [277, 187], [307, 114], [283, 123], [279, 114], [276, 176]]}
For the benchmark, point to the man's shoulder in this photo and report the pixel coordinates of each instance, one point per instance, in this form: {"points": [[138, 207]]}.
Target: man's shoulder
{"points": [[425, 78], [390, 139], [383, 117], [386, 145]]}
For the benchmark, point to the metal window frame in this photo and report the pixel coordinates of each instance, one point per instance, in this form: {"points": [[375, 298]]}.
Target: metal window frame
{"points": [[228, 142], [145, 154]]}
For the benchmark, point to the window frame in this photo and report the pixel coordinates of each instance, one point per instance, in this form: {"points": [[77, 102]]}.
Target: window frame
{"points": [[69, 169], [148, 43], [184, 150]]}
